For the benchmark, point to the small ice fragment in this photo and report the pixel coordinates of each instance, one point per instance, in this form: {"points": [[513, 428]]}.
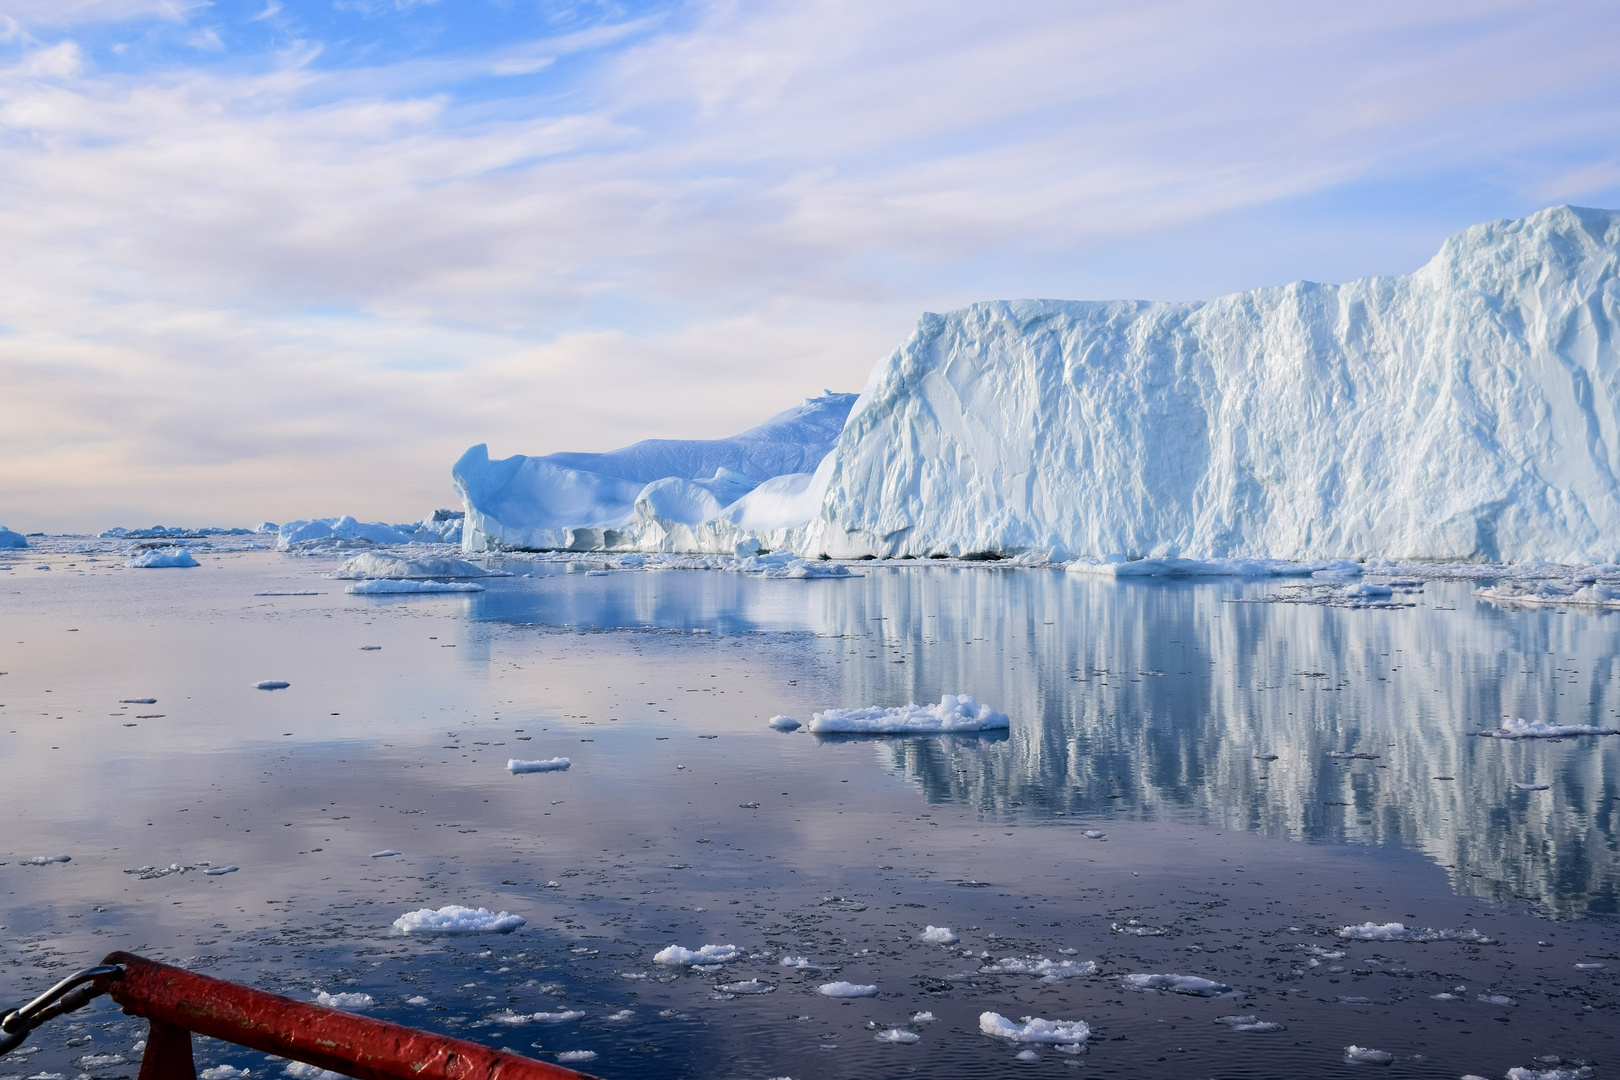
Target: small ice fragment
{"points": [[385, 853], [748, 986], [97, 1062], [1137, 929], [299, 1070], [953, 713], [939, 935], [783, 723], [1530, 787], [288, 592], [456, 919], [924, 1017], [345, 1001], [897, 1036], [272, 684], [562, 1017], [556, 764], [217, 871], [166, 559], [1347, 755], [1040, 965], [846, 990], [137, 701], [1590, 967], [390, 587], [46, 860], [1557, 1072], [1443, 996], [1497, 999], [370, 648], [1027, 1055], [707, 954], [577, 1055], [224, 1072], [1525, 729], [1370, 931], [1367, 1056], [417, 1000], [1265, 757], [621, 1015], [1034, 1029], [801, 963], [1095, 834], [1248, 1024], [1178, 984]]}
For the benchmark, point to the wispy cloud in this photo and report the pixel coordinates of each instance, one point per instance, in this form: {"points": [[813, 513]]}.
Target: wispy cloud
{"points": [[270, 265]]}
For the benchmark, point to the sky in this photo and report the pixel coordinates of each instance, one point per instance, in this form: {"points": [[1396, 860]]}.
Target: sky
{"points": [[267, 259]]}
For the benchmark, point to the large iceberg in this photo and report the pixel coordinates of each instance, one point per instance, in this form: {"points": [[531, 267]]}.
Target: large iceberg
{"points": [[1468, 411], [340, 533], [711, 495], [9, 539]]}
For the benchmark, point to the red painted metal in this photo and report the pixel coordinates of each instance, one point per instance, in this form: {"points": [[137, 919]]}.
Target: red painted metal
{"points": [[357, 1046]]}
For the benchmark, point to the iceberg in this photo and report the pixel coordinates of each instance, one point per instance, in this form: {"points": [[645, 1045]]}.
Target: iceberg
{"points": [[457, 919], [340, 533], [953, 713], [380, 564], [1466, 412], [166, 558], [9, 539]]}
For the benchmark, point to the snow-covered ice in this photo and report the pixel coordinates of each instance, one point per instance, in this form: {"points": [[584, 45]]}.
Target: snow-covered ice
{"points": [[1394, 931], [1526, 729], [339, 533], [1250, 1024], [381, 564], [562, 1016], [1545, 593], [388, 587], [939, 935], [1178, 984], [576, 1056], [1034, 1029], [1367, 1056], [345, 1001], [953, 713], [799, 963], [224, 1072], [783, 723], [163, 559], [847, 990], [456, 919], [1040, 965], [747, 986], [1556, 1072], [707, 954], [897, 1036], [46, 860], [556, 764]]}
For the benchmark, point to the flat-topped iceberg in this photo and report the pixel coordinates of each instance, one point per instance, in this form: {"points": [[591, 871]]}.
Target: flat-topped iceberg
{"points": [[381, 564], [1468, 411], [952, 714]]}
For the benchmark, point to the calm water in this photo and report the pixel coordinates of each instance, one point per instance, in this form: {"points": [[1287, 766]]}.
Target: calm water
{"points": [[1142, 711]]}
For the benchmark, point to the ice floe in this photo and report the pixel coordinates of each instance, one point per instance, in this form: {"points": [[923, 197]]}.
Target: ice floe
{"points": [[164, 559], [556, 764], [299, 1070], [1521, 786], [1177, 984], [1555, 1069], [783, 723], [1370, 931], [456, 919], [1118, 566], [747, 986], [677, 956], [271, 684], [224, 1072], [1040, 965], [1526, 729], [46, 860], [1033, 1029], [385, 853], [897, 1036], [389, 587], [1252, 1024], [953, 713], [799, 963], [577, 1056], [345, 1001], [847, 990], [221, 871], [370, 565], [939, 935], [563, 1016], [1365, 1055], [1546, 592]]}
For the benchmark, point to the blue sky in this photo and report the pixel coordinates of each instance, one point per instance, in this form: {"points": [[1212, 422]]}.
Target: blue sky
{"points": [[276, 259]]}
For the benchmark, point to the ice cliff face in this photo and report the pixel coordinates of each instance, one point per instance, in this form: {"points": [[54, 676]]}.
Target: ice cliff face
{"points": [[1470, 410]]}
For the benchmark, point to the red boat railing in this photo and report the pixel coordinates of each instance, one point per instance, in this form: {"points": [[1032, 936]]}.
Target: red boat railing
{"points": [[179, 1002]]}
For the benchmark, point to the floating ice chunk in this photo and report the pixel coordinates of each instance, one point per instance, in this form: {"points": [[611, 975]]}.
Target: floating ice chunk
{"points": [[1525, 729], [1137, 929], [1118, 566], [799, 963], [1498, 999], [846, 990], [97, 1062], [1590, 967], [1040, 965], [924, 1017], [1034, 1029], [1095, 834], [288, 592], [563, 1017], [381, 565], [300, 1070], [9, 539], [556, 764], [1352, 755], [1248, 1024], [1178, 984], [1366, 589], [953, 713], [747, 986], [783, 723], [1265, 757], [46, 860], [220, 871], [137, 701], [271, 684], [1546, 592], [1530, 787], [1562, 1072], [707, 954], [224, 1072], [577, 1055], [897, 1036], [390, 587], [165, 559], [417, 1000], [1367, 1055], [386, 853], [939, 935], [345, 1001], [456, 919], [1370, 931]]}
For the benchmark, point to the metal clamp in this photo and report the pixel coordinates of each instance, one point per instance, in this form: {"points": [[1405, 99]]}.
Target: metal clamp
{"points": [[66, 996]]}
